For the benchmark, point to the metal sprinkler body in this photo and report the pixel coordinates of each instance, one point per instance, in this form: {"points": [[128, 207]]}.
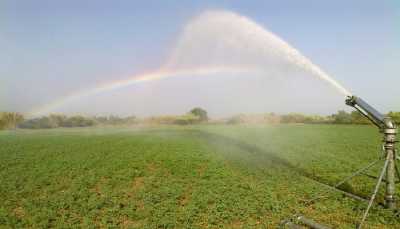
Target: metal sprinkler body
{"points": [[390, 133], [389, 130]]}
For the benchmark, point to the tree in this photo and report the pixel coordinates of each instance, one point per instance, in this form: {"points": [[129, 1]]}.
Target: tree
{"points": [[237, 119], [10, 120], [395, 116], [57, 120], [38, 123], [293, 118], [54, 121], [78, 121], [3, 121], [342, 117], [358, 118], [200, 113]]}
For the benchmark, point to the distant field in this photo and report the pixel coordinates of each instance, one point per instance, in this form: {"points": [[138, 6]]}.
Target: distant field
{"points": [[184, 177]]}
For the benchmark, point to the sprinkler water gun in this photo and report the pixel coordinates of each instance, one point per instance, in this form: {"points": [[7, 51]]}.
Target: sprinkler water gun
{"points": [[389, 130], [381, 121]]}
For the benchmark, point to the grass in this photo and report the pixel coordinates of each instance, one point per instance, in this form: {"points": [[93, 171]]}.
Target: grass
{"points": [[185, 177]]}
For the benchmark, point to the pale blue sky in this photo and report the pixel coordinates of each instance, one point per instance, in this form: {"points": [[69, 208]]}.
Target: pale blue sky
{"points": [[51, 48]]}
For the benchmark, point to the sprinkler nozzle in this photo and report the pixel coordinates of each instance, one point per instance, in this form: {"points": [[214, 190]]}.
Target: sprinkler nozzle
{"points": [[351, 100]]}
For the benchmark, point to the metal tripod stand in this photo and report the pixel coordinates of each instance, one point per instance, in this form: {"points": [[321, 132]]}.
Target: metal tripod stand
{"points": [[389, 130], [390, 169]]}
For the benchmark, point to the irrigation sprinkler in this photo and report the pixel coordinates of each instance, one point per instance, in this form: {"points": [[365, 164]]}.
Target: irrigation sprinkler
{"points": [[389, 130]]}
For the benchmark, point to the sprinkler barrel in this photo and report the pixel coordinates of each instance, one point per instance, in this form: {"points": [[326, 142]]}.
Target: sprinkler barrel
{"points": [[371, 113]]}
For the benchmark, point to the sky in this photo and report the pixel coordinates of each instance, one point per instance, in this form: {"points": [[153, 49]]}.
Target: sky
{"points": [[53, 49]]}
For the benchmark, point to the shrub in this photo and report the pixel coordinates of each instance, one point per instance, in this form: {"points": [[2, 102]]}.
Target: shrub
{"points": [[187, 119], [342, 117], [38, 123], [54, 121], [78, 121], [293, 118], [395, 116], [237, 119]]}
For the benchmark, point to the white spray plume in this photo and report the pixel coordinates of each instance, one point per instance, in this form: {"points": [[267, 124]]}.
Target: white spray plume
{"points": [[223, 38], [229, 43]]}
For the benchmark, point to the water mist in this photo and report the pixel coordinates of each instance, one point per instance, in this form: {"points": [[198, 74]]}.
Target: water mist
{"points": [[223, 38], [216, 43]]}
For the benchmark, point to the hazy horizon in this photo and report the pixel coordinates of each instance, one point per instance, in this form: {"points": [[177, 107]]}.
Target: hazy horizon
{"points": [[52, 50]]}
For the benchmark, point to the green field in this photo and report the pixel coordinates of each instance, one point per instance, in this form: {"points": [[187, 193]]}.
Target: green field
{"points": [[185, 177]]}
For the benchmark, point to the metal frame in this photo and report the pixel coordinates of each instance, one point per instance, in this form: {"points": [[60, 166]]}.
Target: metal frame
{"points": [[390, 169], [389, 130]]}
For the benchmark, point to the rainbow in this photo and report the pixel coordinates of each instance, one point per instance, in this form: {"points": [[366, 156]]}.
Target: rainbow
{"points": [[137, 79]]}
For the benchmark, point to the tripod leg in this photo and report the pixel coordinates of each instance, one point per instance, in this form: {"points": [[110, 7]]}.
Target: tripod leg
{"points": [[397, 171], [378, 184], [395, 164], [356, 173], [390, 184]]}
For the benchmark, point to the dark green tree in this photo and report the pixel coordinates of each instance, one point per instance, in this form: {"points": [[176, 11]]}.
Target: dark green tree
{"points": [[10, 120], [200, 113], [342, 117], [358, 118], [395, 116]]}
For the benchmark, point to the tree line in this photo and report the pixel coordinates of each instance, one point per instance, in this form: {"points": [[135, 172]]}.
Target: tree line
{"points": [[13, 120], [341, 117], [56, 120]]}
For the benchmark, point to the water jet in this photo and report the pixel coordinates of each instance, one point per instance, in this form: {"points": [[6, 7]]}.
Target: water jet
{"points": [[216, 41]]}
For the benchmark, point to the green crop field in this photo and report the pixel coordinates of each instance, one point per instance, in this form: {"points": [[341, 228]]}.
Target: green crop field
{"points": [[205, 176]]}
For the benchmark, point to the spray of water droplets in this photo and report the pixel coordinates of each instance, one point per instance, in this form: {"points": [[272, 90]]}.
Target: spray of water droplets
{"points": [[222, 41], [223, 38]]}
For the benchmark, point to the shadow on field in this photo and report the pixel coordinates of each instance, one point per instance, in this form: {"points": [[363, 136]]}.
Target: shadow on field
{"points": [[260, 157]]}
